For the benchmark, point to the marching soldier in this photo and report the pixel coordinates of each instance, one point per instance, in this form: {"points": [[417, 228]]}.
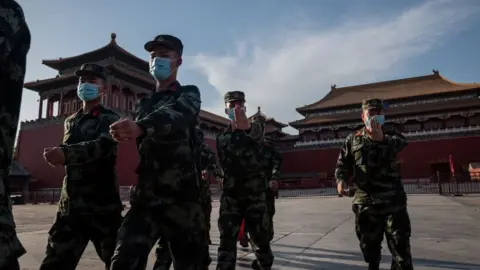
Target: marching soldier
{"points": [[244, 186], [273, 163], [166, 200], [379, 202], [207, 164], [90, 208], [14, 46]]}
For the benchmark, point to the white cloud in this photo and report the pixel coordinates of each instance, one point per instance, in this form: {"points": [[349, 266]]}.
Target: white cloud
{"points": [[282, 73]]}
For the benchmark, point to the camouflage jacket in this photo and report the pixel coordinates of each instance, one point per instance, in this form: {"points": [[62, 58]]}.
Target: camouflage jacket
{"points": [[272, 161], [208, 163], [241, 159], [167, 169], [14, 46], [90, 185], [373, 166]]}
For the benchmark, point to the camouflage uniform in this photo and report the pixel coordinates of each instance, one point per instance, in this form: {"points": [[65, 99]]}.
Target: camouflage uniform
{"points": [[243, 196], [14, 46], [90, 207], [166, 202], [272, 164], [380, 202], [207, 160]]}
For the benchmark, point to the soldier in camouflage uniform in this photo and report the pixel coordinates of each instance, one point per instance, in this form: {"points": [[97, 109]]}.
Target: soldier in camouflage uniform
{"points": [[380, 202], [90, 208], [207, 163], [273, 162], [166, 201], [244, 186], [14, 46]]}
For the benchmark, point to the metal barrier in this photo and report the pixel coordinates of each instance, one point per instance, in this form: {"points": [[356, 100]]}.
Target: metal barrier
{"points": [[446, 186]]}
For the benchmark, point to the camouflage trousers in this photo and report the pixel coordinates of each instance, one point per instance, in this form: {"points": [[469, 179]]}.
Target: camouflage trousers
{"points": [[163, 259], [70, 234], [372, 222], [232, 211], [207, 209], [180, 225], [271, 213], [10, 247]]}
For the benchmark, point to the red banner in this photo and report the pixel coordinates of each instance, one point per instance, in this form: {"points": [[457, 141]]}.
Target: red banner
{"points": [[452, 166]]}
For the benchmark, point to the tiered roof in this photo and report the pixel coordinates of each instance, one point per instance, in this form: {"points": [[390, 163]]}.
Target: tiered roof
{"points": [[388, 90], [269, 120], [424, 87], [114, 51]]}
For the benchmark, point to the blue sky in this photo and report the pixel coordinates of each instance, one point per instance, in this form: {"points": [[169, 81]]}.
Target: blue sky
{"points": [[282, 54]]}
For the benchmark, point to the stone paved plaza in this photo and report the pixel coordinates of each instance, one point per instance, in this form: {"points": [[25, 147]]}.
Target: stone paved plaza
{"points": [[317, 233]]}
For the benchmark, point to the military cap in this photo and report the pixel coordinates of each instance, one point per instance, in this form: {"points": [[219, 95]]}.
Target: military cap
{"points": [[90, 69], [372, 103], [168, 41], [234, 96]]}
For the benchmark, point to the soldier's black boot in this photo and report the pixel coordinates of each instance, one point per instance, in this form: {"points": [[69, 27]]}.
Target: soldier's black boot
{"points": [[374, 266], [255, 265]]}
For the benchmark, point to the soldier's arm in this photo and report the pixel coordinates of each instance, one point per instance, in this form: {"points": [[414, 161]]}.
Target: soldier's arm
{"points": [[395, 140], [173, 116], [11, 25], [256, 130], [219, 173], [344, 161], [85, 152], [277, 164]]}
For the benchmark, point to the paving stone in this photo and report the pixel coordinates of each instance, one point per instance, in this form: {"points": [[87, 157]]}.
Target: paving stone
{"points": [[313, 233]]}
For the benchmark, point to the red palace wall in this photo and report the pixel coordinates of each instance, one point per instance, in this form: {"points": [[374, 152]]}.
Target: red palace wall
{"points": [[30, 154], [416, 159]]}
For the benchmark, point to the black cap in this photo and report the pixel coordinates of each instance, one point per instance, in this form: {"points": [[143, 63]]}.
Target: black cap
{"points": [[372, 103], [234, 96], [90, 69], [168, 41]]}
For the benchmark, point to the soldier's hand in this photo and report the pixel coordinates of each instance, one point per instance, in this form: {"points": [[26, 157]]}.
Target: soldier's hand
{"points": [[341, 187], [54, 156], [125, 130], [204, 175], [241, 120], [273, 184], [376, 132]]}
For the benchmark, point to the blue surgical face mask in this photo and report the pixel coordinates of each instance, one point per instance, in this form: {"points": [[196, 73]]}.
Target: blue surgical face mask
{"points": [[87, 91], [160, 68], [380, 119], [231, 113]]}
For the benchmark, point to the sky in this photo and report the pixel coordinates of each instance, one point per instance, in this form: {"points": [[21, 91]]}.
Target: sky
{"points": [[283, 54]]}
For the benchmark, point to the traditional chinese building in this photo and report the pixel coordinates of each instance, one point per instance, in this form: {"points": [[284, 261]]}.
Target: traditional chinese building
{"points": [[438, 116], [273, 128], [129, 81]]}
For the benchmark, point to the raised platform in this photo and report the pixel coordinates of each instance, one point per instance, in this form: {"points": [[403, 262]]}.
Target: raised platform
{"points": [[316, 233]]}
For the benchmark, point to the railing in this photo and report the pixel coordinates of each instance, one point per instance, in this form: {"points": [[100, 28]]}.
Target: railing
{"points": [[412, 134], [302, 188]]}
